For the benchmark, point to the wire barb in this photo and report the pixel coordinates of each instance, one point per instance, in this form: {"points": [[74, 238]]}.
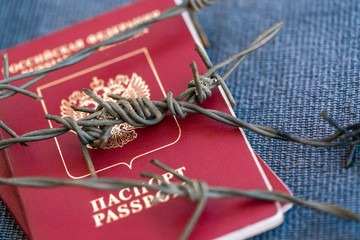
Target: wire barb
{"points": [[190, 5], [94, 129], [197, 191], [195, 6]]}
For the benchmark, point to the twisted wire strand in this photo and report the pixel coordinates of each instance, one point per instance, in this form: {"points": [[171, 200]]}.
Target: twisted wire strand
{"points": [[197, 191], [197, 5], [94, 129], [190, 5]]}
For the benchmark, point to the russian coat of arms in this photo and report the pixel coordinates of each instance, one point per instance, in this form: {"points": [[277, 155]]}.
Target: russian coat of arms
{"points": [[121, 85]]}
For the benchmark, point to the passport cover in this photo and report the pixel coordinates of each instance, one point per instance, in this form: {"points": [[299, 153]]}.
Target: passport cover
{"points": [[9, 196], [150, 64]]}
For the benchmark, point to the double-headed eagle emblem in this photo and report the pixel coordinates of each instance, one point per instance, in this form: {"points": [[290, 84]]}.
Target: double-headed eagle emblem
{"points": [[121, 85]]}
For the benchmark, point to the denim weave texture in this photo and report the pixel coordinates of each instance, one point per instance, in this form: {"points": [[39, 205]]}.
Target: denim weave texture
{"points": [[312, 65]]}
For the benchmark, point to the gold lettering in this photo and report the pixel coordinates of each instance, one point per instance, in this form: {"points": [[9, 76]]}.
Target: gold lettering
{"points": [[143, 200], [29, 61], [98, 218], [148, 199], [72, 47], [22, 64], [13, 68], [137, 192], [79, 44], [176, 195], [167, 176], [111, 216], [155, 13], [112, 31], [95, 205], [51, 63], [180, 170], [121, 194], [159, 197], [137, 20], [95, 38], [113, 200], [151, 180], [99, 36], [38, 59], [123, 211], [91, 39], [64, 50], [61, 52], [26, 70], [55, 52], [136, 206], [47, 54], [47, 58], [122, 27]]}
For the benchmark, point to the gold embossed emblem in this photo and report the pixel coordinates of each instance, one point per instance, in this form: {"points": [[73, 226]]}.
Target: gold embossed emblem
{"points": [[121, 85]]}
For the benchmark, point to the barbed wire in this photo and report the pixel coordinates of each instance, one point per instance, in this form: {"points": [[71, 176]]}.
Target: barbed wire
{"points": [[196, 190], [94, 129], [189, 5]]}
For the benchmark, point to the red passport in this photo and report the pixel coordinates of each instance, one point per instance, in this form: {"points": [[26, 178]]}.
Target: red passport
{"points": [[9, 195], [150, 64]]}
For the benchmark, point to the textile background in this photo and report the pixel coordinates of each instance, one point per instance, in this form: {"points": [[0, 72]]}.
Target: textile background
{"points": [[312, 65]]}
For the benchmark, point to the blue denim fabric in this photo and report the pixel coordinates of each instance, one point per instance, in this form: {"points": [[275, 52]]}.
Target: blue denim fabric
{"points": [[312, 65]]}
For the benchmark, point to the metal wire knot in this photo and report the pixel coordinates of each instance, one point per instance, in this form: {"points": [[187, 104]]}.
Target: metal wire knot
{"points": [[94, 129], [197, 191], [199, 4]]}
